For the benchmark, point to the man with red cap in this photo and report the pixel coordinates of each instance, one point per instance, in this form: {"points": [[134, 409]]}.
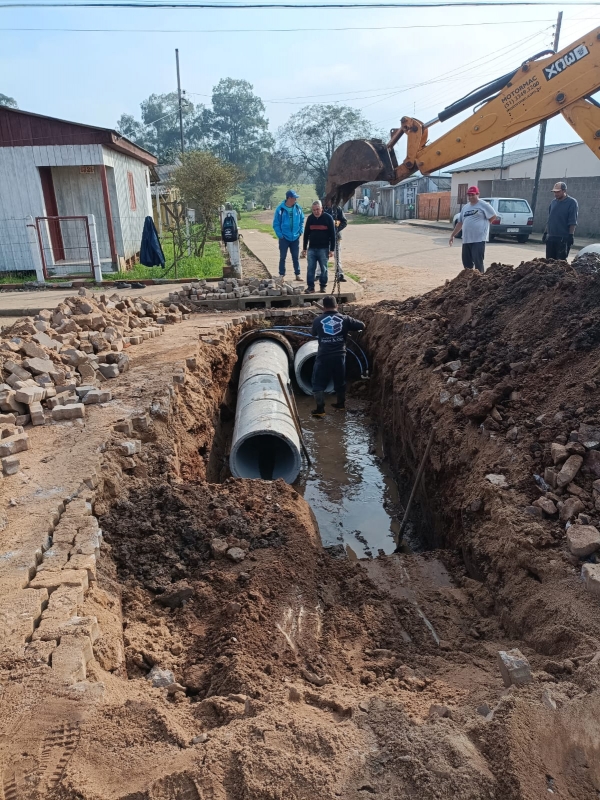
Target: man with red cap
{"points": [[474, 221]]}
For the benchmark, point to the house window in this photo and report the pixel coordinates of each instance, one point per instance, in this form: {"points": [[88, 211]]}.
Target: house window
{"points": [[462, 193], [132, 202]]}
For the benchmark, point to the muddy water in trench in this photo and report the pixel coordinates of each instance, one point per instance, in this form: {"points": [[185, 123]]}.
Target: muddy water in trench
{"points": [[350, 487]]}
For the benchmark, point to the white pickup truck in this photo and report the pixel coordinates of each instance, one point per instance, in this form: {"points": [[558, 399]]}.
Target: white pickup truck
{"points": [[516, 218]]}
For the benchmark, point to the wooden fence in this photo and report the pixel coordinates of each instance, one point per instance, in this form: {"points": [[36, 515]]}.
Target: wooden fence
{"points": [[433, 205]]}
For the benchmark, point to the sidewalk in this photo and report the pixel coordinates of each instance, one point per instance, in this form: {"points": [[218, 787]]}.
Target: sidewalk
{"points": [[536, 238]]}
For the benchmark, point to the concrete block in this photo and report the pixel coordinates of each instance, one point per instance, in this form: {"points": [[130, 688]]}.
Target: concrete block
{"points": [[36, 412], [10, 465], [514, 668], [97, 396], [40, 366], [141, 423], [84, 388], [591, 576], [70, 411], [79, 508], [7, 419], [33, 350], [65, 597], [124, 426], [109, 370], [131, 447], [66, 577], [23, 419], [87, 543], [8, 402], [14, 444], [81, 561], [17, 370], [179, 378], [583, 540], [69, 660], [40, 652]]}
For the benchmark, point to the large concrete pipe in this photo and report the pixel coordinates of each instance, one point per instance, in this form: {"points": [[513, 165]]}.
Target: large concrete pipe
{"points": [[265, 442], [303, 366]]}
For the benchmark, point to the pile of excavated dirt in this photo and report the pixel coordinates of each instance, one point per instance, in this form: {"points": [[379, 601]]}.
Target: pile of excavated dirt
{"points": [[506, 367], [236, 660]]}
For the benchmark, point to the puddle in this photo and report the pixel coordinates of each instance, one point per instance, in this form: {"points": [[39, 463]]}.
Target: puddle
{"points": [[350, 487]]}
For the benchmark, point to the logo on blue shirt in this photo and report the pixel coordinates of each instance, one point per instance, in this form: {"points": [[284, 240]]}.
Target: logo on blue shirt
{"points": [[332, 325]]}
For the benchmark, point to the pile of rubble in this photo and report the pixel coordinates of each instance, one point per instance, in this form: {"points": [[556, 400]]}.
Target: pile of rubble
{"points": [[54, 364], [232, 289]]}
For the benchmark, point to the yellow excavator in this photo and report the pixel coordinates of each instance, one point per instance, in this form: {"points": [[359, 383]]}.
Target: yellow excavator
{"points": [[545, 85]]}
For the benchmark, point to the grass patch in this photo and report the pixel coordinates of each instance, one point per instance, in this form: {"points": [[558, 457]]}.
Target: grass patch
{"points": [[353, 276], [363, 219], [210, 265], [249, 221]]}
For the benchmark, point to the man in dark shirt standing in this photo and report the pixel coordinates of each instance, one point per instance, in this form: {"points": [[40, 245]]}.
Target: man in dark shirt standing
{"points": [[331, 329], [319, 237], [562, 221]]}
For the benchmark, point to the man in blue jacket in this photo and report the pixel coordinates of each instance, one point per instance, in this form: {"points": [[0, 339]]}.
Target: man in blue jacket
{"points": [[288, 224]]}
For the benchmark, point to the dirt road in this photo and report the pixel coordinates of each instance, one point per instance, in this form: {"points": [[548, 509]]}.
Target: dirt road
{"points": [[399, 261]]}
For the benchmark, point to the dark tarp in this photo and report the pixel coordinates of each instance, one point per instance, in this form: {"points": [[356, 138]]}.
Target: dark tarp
{"points": [[151, 254]]}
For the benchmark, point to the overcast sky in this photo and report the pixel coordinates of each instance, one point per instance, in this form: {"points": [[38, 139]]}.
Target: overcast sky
{"points": [[93, 77]]}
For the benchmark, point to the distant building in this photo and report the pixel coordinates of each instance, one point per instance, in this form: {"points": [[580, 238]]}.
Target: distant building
{"points": [[54, 171], [514, 176], [400, 201]]}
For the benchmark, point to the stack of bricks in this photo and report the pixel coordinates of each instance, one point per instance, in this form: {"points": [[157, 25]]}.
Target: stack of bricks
{"points": [[55, 364], [191, 295]]}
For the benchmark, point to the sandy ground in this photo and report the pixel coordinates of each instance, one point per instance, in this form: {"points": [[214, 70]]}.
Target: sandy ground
{"points": [[399, 261], [296, 675]]}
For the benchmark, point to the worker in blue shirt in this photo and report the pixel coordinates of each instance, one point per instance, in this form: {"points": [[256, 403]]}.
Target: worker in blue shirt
{"points": [[288, 224]]}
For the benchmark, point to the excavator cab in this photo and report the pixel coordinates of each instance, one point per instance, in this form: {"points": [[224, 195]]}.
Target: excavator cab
{"points": [[357, 162]]}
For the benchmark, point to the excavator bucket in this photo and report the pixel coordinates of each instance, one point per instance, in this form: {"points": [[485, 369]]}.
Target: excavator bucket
{"points": [[355, 163]]}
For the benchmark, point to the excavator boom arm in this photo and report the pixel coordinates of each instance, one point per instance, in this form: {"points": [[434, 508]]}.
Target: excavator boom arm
{"points": [[536, 91]]}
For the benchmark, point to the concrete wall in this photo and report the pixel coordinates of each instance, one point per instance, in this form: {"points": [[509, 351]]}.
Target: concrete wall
{"points": [[585, 190], [577, 161]]}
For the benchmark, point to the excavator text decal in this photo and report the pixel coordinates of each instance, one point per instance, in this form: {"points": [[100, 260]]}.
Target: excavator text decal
{"points": [[560, 65], [520, 93]]}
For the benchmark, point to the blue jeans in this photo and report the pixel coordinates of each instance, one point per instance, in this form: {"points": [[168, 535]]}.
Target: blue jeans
{"points": [[294, 248], [316, 256]]}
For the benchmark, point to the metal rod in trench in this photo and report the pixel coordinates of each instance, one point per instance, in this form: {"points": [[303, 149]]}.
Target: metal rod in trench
{"points": [[414, 489], [295, 418]]}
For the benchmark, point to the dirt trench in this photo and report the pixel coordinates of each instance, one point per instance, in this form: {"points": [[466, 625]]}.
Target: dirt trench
{"points": [[298, 675]]}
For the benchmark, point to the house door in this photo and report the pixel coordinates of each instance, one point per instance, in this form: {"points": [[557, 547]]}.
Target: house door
{"points": [[56, 240]]}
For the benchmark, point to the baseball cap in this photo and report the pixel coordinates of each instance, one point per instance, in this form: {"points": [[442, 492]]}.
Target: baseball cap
{"points": [[559, 186], [472, 190], [291, 193]]}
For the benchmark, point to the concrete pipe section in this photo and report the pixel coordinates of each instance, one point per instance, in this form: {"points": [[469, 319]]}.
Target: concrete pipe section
{"points": [[265, 442], [303, 367]]}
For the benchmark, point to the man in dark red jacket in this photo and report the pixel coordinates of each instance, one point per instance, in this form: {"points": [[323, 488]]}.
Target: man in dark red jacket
{"points": [[319, 238]]}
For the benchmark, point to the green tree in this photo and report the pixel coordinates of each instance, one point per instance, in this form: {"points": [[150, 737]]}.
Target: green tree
{"points": [[7, 101], [273, 169], [159, 131], [236, 125], [205, 182], [311, 135]]}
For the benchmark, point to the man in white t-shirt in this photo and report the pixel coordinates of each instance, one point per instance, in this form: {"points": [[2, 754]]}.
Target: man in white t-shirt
{"points": [[474, 221]]}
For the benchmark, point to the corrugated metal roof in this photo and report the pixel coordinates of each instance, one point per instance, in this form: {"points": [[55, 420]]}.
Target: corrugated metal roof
{"points": [[20, 128], [512, 158]]}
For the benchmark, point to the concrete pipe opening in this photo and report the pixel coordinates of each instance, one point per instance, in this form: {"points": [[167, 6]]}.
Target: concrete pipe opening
{"points": [[303, 367], [265, 441]]}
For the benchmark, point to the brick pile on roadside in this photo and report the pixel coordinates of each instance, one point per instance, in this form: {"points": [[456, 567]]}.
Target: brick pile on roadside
{"points": [[54, 364], [231, 289]]}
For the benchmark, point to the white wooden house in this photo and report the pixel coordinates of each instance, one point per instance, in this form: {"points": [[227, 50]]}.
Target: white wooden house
{"points": [[56, 173]]}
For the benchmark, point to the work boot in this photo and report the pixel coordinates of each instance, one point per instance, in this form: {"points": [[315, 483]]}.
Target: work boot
{"points": [[342, 279], [341, 402], [310, 290], [320, 401], [298, 278], [323, 289]]}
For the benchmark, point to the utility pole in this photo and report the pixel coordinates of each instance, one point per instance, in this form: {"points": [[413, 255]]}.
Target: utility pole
{"points": [[187, 221], [179, 94], [502, 160], [543, 126]]}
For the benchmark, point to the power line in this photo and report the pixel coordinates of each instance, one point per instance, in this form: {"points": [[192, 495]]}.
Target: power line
{"points": [[296, 6], [275, 30]]}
